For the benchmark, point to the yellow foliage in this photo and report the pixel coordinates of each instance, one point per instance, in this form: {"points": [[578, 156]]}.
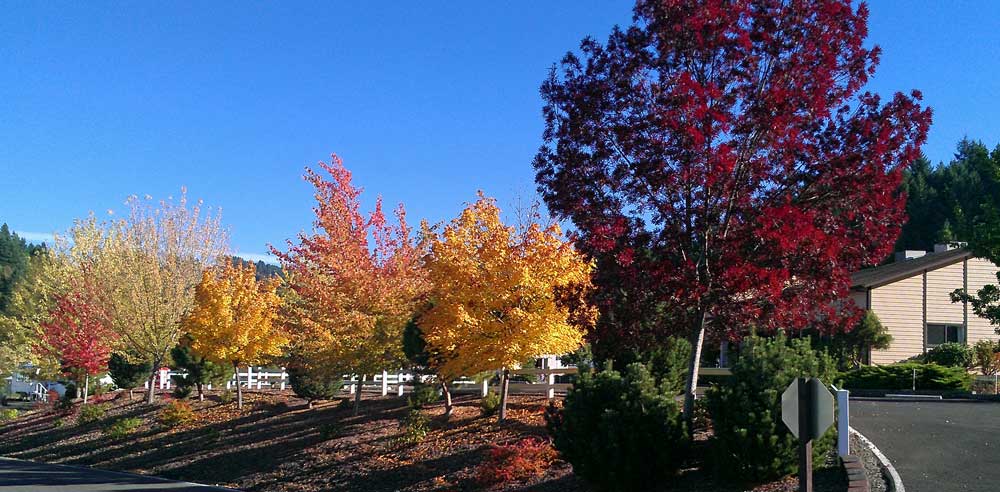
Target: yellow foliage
{"points": [[497, 293], [234, 318]]}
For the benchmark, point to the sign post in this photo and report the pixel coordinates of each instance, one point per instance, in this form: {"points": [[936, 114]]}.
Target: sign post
{"points": [[807, 411]]}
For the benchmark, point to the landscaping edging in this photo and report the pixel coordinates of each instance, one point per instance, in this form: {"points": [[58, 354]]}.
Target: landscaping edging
{"points": [[891, 477]]}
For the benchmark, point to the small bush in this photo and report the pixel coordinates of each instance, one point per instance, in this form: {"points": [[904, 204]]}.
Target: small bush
{"points": [[900, 377], [528, 458], [176, 413], [424, 394], [8, 414], [490, 403], [71, 392], [314, 384], [182, 386], [950, 355], [620, 431], [415, 427], [750, 441], [226, 397], [90, 414], [330, 430], [986, 357], [58, 423], [122, 427]]}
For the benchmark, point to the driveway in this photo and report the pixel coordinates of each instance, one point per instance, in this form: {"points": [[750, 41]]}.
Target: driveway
{"points": [[27, 476], [936, 446]]}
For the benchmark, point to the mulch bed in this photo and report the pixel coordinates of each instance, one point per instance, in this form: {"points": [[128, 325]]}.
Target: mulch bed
{"points": [[276, 444]]}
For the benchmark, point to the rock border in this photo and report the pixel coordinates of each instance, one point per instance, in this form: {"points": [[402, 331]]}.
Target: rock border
{"points": [[888, 471]]}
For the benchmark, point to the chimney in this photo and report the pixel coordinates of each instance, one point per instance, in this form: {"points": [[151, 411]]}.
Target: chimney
{"points": [[909, 254]]}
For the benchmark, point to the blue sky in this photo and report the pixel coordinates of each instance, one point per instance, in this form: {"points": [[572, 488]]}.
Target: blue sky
{"points": [[426, 102]]}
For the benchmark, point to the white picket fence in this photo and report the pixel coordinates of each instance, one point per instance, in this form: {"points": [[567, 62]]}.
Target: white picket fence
{"points": [[542, 381]]}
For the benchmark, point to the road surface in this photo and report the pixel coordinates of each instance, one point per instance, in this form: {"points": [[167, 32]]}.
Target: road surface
{"points": [[936, 446], [27, 476]]}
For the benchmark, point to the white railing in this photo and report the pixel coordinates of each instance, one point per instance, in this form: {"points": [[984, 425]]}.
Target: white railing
{"points": [[396, 382]]}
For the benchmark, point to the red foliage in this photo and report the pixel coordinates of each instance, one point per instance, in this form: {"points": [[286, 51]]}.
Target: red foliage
{"points": [[78, 333], [525, 459], [722, 166]]}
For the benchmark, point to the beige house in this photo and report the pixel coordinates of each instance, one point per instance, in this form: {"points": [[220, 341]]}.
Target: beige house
{"points": [[911, 297]]}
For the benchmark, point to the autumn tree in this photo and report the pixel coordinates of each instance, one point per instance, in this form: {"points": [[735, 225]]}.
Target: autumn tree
{"points": [[78, 334], [234, 319], [730, 144], [356, 278], [148, 265], [501, 295]]}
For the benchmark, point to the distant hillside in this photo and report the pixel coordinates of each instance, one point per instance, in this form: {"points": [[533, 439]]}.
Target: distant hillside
{"points": [[264, 270]]}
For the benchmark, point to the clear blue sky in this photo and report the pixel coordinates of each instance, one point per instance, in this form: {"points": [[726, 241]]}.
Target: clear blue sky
{"points": [[425, 101]]}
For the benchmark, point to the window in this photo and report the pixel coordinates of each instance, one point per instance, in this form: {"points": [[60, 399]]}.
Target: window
{"points": [[939, 333]]}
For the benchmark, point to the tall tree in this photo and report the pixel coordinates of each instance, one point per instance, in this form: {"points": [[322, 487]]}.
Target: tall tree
{"points": [[729, 143], [79, 335], [502, 295], [234, 319], [13, 263], [148, 264], [357, 279], [31, 303]]}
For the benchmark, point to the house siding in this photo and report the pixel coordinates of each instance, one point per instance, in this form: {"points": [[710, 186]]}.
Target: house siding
{"points": [[980, 273], [940, 284], [899, 306]]}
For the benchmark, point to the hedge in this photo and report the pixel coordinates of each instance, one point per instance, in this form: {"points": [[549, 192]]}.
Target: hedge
{"points": [[900, 377]]}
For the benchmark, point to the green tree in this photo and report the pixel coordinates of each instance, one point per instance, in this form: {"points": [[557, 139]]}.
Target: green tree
{"points": [[127, 374], [852, 348], [13, 263], [200, 371]]}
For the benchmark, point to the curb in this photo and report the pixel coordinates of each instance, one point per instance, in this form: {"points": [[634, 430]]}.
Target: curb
{"points": [[894, 481], [125, 474]]}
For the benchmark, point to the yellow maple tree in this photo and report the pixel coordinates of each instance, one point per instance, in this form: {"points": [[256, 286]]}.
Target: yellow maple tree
{"points": [[234, 319], [500, 294]]}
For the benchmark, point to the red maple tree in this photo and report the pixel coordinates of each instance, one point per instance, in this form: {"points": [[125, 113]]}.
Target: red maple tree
{"points": [[721, 155], [78, 334]]}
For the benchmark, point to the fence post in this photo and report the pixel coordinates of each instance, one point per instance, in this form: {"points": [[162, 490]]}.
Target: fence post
{"points": [[486, 387], [354, 380], [260, 382], [399, 384], [284, 376], [551, 391], [249, 377], [385, 382], [843, 421]]}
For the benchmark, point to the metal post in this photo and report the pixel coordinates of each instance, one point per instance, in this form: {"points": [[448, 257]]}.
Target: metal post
{"points": [[914, 379], [805, 433], [843, 422]]}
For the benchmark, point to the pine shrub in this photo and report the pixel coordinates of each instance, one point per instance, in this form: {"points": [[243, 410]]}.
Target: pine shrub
{"points": [[901, 377], [90, 414], [8, 414], [490, 404], [415, 427], [620, 431], [424, 394], [314, 384], [750, 441], [950, 355], [122, 427]]}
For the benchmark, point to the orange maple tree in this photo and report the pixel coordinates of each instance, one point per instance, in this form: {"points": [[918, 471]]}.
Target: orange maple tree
{"points": [[357, 279]]}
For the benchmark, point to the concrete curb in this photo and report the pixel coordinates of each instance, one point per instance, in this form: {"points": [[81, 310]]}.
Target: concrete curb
{"points": [[125, 474], [892, 476]]}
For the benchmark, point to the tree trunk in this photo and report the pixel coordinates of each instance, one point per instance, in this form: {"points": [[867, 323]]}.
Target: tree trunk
{"points": [[239, 387], [504, 385], [447, 399], [201, 392], [130, 394], [357, 397], [86, 387], [697, 341], [151, 391]]}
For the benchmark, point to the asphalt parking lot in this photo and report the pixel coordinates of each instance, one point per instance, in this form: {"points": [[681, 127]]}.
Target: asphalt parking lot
{"points": [[27, 476], [936, 446]]}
